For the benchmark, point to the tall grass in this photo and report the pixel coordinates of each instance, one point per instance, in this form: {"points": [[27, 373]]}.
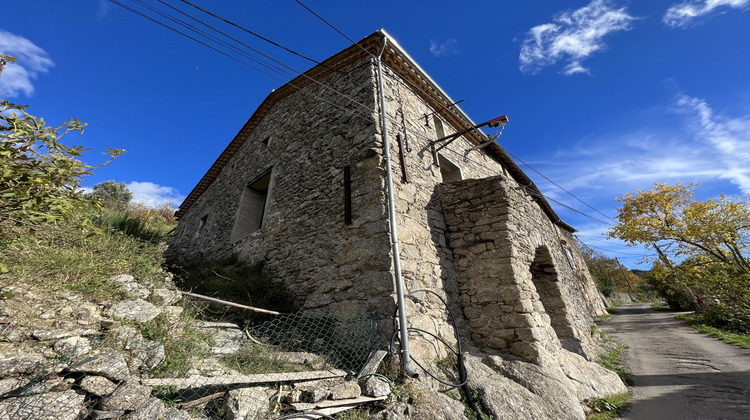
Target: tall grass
{"points": [[139, 221], [63, 257]]}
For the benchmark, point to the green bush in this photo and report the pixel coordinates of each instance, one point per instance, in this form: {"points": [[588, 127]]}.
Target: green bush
{"points": [[728, 318], [606, 286]]}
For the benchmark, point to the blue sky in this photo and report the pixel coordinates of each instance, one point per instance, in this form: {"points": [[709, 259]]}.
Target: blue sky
{"points": [[604, 97]]}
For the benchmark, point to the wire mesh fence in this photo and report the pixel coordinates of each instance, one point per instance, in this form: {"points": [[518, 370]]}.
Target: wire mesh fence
{"points": [[302, 362]]}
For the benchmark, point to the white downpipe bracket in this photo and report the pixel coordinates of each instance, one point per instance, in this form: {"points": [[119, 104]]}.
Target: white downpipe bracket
{"points": [[394, 229]]}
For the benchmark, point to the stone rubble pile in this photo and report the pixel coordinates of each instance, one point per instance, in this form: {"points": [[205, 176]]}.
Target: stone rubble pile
{"points": [[96, 369]]}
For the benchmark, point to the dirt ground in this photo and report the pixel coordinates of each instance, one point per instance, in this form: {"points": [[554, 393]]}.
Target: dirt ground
{"points": [[679, 373]]}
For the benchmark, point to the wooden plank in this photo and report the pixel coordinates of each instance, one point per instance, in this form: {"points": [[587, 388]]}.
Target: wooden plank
{"points": [[199, 401], [227, 303], [372, 363], [402, 157], [330, 407], [349, 401], [198, 381]]}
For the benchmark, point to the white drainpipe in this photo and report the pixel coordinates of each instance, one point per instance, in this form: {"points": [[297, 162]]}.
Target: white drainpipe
{"points": [[394, 229]]}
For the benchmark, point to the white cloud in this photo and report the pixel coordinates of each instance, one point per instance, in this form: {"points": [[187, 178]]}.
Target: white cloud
{"points": [[680, 15], [153, 194], [449, 47], [728, 137], [706, 148], [105, 8], [572, 37], [30, 61]]}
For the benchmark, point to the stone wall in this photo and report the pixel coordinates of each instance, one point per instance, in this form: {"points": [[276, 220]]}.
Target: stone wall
{"points": [[426, 261], [523, 285], [307, 138]]}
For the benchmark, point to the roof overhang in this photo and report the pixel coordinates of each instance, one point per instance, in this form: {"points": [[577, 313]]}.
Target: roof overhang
{"points": [[398, 60]]}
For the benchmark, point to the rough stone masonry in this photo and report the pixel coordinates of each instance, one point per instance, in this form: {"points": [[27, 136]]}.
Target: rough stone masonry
{"points": [[302, 189]]}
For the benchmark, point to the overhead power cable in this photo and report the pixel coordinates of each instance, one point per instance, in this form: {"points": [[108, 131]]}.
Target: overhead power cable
{"points": [[561, 188], [285, 81], [612, 251], [412, 85], [332, 26], [226, 35], [210, 37], [193, 39], [253, 33]]}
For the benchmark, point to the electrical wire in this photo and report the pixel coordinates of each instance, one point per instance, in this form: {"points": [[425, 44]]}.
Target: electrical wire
{"points": [[368, 52], [193, 39], [226, 35], [399, 79], [287, 82], [558, 186], [614, 252], [332, 26], [458, 352], [276, 44]]}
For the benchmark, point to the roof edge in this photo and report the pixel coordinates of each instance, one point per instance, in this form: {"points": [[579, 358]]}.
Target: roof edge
{"points": [[346, 56]]}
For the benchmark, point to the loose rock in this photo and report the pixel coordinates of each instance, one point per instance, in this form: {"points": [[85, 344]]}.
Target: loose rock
{"points": [[19, 366], [374, 386], [130, 285], [98, 385], [106, 362], [137, 310], [247, 403], [128, 396]]}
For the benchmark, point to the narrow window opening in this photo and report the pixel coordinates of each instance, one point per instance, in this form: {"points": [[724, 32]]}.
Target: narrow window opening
{"points": [[267, 141], [569, 256], [448, 170], [439, 130], [253, 206], [201, 226]]}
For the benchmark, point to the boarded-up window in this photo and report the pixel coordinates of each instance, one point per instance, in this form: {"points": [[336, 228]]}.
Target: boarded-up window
{"points": [[253, 206]]}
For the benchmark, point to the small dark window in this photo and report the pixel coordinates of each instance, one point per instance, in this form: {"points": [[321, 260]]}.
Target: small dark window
{"points": [[201, 226], [448, 170], [252, 207]]}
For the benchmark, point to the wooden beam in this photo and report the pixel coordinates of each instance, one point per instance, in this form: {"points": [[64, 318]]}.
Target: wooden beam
{"points": [[199, 381], [199, 401], [228, 303], [330, 407]]}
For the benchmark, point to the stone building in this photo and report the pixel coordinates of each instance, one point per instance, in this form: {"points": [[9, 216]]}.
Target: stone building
{"points": [[303, 188]]}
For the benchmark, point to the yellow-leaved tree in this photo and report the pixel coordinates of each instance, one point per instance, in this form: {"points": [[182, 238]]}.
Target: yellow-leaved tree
{"points": [[702, 246]]}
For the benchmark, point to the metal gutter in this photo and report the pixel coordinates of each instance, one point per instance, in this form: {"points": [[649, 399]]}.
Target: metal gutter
{"points": [[405, 354]]}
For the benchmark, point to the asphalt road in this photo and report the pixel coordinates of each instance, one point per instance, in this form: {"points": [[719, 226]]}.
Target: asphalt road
{"points": [[679, 373]]}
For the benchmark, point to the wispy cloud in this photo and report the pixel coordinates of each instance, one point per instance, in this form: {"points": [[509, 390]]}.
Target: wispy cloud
{"points": [[449, 47], [681, 15], [30, 61], [154, 194], [728, 137], [104, 9], [572, 37], [707, 147]]}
